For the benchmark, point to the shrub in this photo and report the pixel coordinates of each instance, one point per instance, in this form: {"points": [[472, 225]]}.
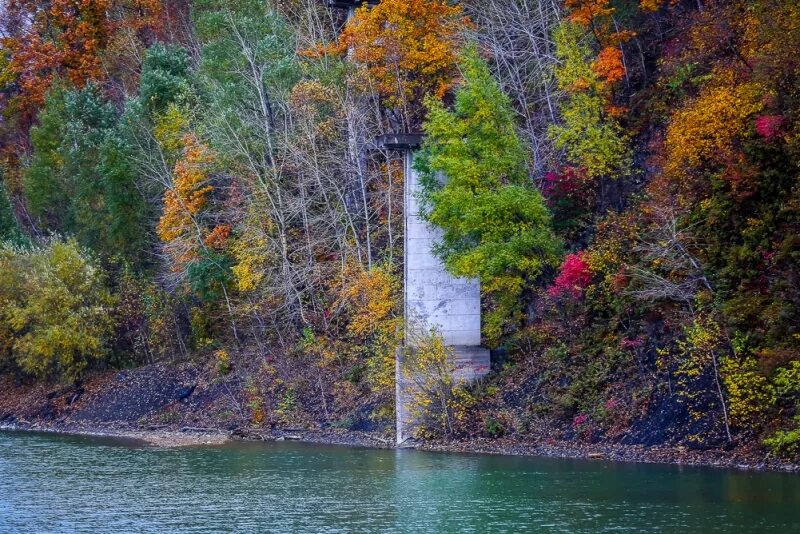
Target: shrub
{"points": [[574, 277], [748, 393], [785, 442], [55, 311], [493, 427], [438, 403]]}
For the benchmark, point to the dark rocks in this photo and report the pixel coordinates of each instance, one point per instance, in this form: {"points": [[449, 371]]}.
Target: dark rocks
{"points": [[138, 394], [185, 392], [48, 412]]}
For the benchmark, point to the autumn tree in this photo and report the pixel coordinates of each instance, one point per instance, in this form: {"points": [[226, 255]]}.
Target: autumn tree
{"points": [[67, 39], [372, 299], [56, 314], [496, 225], [702, 135], [194, 240], [410, 50], [588, 132]]}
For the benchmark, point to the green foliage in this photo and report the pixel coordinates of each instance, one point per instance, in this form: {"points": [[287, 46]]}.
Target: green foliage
{"points": [[80, 181], [493, 427], [591, 138], [56, 310], [787, 382], [165, 77], [9, 230], [127, 230], [786, 442], [496, 225], [45, 183], [209, 275], [248, 65], [786, 390]]}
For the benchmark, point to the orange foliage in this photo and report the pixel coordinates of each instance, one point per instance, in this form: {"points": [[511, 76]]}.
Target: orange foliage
{"points": [[650, 5], [584, 12], [190, 192], [409, 48], [66, 38], [218, 237], [63, 38], [704, 130], [609, 66]]}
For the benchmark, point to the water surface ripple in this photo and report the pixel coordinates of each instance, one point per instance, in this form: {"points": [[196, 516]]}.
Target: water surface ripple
{"points": [[65, 484]]}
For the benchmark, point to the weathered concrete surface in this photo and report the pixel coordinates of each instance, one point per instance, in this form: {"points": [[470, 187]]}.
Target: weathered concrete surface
{"points": [[435, 299]]}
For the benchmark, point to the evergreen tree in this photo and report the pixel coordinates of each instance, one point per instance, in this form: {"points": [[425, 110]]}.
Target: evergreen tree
{"points": [[80, 181], [496, 225], [9, 231], [165, 77]]}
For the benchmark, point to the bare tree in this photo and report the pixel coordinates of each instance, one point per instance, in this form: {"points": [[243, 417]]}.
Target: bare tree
{"points": [[672, 271], [517, 35]]}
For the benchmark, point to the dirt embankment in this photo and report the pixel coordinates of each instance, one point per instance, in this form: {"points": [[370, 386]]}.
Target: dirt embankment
{"points": [[163, 405], [166, 405]]}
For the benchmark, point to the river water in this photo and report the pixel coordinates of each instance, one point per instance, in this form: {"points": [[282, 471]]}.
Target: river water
{"points": [[63, 484]]}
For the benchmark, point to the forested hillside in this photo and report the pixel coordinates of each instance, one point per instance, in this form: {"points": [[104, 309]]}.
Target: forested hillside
{"points": [[198, 182]]}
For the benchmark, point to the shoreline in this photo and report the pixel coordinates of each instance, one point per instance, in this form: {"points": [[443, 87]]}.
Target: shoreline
{"points": [[174, 437]]}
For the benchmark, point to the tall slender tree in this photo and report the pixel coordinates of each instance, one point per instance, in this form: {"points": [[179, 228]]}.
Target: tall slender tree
{"points": [[496, 224]]}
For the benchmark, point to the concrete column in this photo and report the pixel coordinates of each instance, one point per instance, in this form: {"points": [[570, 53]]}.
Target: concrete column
{"points": [[434, 298]]}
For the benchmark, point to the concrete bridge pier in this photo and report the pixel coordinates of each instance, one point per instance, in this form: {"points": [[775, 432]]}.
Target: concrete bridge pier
{"points": [[433, 298]]}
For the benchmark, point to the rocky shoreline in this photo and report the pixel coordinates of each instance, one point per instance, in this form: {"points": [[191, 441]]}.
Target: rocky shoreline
{"points": [[167, 406], [190, 436]]}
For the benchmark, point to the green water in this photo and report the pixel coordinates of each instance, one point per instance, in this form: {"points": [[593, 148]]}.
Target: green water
{"points": [[68, 484]]}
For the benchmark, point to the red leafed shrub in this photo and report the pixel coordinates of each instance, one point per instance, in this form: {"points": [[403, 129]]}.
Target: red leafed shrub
{"points": [[569, 183], [769, 126], [580, 420], [575, 275]]}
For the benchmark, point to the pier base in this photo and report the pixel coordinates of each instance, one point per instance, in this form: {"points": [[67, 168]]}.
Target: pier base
{"points": [[471, 363]]}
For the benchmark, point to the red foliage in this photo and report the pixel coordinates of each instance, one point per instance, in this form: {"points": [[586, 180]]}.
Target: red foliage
{"points": [[631, 343], [67, 39], [569, 183], [575, 275], [620, 280], [769, 126], [580, 420]]}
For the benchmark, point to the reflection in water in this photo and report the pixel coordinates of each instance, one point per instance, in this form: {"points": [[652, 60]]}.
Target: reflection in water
{"points": [[74, 484]]}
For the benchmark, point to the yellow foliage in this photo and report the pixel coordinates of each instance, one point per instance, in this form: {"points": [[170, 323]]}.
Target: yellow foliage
{"points": [[616, 235], [704, 130], [56, 317], [748, 390], [438, 403], [170, 129], [371, 298], [251, 248], [189, 194]]}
